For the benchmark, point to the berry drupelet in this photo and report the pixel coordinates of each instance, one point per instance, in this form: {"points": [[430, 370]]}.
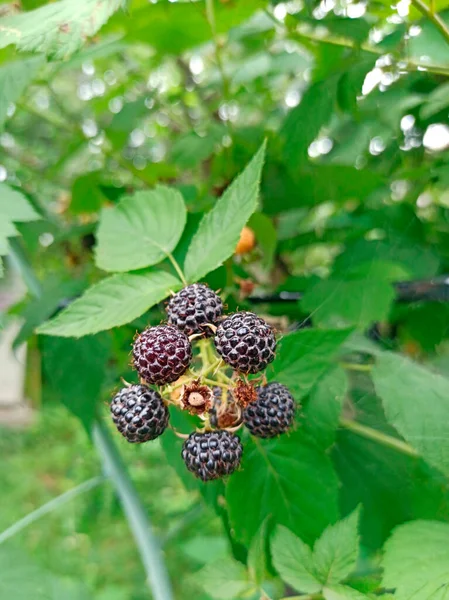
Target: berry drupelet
{"points": [[245, 342], [272, 413], [213, 454], [162, 354], [193, 307], [139, 413]]}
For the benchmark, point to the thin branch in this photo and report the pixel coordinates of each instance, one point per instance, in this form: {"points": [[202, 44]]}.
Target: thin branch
{"points": [[149, 547], [433, 17], [334, 40], [379, 437], [50, 506]]}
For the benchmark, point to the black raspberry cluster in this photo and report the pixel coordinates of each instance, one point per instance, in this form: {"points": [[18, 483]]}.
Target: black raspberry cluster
{"points": [[224, 401]]}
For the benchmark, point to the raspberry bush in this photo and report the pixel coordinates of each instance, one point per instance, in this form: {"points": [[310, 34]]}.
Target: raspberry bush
{"points": [[230, 218]]}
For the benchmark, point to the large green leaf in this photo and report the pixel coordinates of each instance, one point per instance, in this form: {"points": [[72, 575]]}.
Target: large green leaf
{"points": [[57, 29], [416, 403], [14, 79], [359, 299], [416, 561], [288, 478], [219, 230], [332, 560], [140, 231], [114, 301], [303, 357], [335, 553], [293, 561], [171, 28], [392, 487], [322, 410], [75, 370]]}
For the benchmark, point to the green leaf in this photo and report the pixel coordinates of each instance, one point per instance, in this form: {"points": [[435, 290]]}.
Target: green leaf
{"points": [[303, 123], [191, 149], [343, 592], [87, 196], [225, 579], [14, 79], [335, 553], [112, 302], [304, 356], [140, 231], [288, 478], [41, 308], [75, 370], [57, 29], [416, 403], [266, 237], [171, 28], [257, 560], [435, 101], [360, 299], [14, 206], [322, 410], [219, 230], [416, 561], [292, 559]]}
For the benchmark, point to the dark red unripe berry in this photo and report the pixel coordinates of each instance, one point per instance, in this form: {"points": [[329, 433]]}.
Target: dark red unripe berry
{"points": [[193, 307], [246, 342], [213, 454], [272, 413], [162, 354], [139, 413]]}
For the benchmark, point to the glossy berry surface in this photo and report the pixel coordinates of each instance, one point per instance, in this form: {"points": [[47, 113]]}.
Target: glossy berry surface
{"points": [[272, 413], [246, 342], [162, 354], [193, 307], [139, 413], [213, 454]]}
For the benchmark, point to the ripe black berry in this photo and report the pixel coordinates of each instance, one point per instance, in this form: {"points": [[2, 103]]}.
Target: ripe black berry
{"points": [[193, 307], [162, 354], [213, 454], [139, 413], [246, 342], [272, 413]]}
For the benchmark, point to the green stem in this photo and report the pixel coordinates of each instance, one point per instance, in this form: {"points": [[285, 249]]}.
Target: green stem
{"points": [[210, 368], [149, 547], [379, 437], [50, 506], [204, 355], [433, 17], [219, 383], [356, 367], [177, 268], [210, 14]]}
